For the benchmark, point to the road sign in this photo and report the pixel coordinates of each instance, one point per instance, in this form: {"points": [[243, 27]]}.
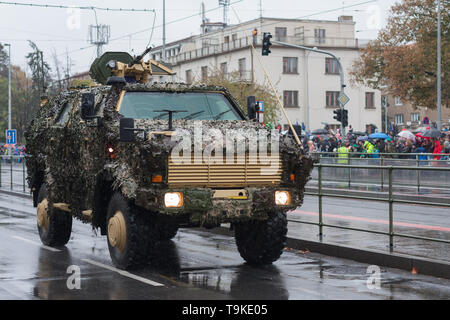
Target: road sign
{"points": [[343, 99], [260, 111], [11, 136]]}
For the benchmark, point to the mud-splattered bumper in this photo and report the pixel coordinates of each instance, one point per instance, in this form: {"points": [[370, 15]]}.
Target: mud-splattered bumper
{"points": [[207, 205]]}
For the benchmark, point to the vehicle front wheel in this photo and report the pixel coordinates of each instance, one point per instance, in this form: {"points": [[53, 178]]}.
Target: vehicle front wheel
{"points": [[262, 242], [127, 234], [166, 227], [54, 226]]}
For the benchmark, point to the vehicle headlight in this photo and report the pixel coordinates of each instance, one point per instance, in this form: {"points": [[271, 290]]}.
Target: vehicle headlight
{"points": [[173, 199], [282, 198]]}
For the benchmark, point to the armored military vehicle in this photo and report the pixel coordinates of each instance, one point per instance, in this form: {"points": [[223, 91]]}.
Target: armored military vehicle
{"points": [[105, 155]]}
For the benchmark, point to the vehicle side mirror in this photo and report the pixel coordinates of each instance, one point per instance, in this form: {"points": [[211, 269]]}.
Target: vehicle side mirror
{"points": [[87, 106], [126, 129], [251, 108]]}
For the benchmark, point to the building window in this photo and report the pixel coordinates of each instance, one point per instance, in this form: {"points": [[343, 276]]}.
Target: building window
{"points": [[226, 39], [319, 35], [415, 117], [204, 73], [242, 68], [332, 99], [289, 65], [223, 69], [370, 100], [280, 33], [234, 37], [399, 119], [331, 66], [188, 76], [398, 101], [290, 99]]}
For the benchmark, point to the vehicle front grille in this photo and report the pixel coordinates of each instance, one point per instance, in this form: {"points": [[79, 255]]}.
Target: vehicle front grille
{"points": [[249, 171]]}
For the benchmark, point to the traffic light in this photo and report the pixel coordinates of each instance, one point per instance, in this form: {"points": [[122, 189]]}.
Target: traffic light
{"points": [[338, 115], [266, 43], [344, 118]]}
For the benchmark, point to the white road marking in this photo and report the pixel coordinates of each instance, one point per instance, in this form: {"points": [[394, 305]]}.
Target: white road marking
{"points": [[37, 244], [124, 273]]}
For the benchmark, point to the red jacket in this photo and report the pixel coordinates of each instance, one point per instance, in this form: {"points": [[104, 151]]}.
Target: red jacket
{"points": [[437, 149]]}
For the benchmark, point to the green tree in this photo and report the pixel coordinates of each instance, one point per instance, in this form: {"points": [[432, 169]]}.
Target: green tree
{"points": [[3, 61], [25, 92], [40, 69], [403, 57]]}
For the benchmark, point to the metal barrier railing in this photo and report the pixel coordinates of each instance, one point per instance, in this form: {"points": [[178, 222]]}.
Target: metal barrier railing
{"points": [[416, 160], [390, 199], [12, 162]]}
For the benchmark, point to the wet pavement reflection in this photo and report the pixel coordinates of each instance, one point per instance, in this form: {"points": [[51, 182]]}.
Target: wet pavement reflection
{"points": [[195, 265]]}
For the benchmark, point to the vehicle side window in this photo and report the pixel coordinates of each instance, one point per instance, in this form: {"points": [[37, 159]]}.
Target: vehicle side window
{"points": [[63, 116]]}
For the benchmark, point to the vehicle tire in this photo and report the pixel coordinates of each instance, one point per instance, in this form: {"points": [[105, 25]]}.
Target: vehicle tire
{"points": [[128, 234], [166, 227], [54, 227], [262, 242]]}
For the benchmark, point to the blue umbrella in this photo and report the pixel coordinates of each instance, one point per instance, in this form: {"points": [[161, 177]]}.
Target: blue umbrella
{"points": [[378, 135]]}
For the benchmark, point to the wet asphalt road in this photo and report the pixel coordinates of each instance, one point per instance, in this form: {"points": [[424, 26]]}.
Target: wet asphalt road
{"points": [[195, 265]]}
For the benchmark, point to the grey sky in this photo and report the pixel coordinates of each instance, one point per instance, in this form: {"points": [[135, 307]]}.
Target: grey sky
{"points": [[57, 30]]}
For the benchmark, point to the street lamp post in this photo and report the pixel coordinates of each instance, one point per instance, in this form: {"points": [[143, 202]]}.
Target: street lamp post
{"points": [[341, 70], [438, 77], [9, 94]]}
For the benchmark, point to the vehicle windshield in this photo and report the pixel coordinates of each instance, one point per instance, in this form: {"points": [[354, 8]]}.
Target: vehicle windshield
{"points": [[197, 106]]}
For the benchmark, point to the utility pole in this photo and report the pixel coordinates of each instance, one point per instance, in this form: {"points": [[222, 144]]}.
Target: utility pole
{"points": [[163, 58], [9, 85], [308, 126], [9, 94], [438, 77], [341, 71]]}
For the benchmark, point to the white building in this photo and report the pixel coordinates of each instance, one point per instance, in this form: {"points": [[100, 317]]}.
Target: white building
{"points": [[304, 80]]}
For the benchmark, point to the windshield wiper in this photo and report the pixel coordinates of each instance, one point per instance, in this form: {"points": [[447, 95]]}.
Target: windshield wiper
{"points": [[192, 115], [221, 114], [170, 112]]}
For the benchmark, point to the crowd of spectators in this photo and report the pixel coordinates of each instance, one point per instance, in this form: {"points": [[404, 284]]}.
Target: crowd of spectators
{"points": [[392, 146]]}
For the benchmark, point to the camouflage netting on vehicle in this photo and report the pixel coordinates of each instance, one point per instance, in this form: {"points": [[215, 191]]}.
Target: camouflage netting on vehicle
{"points": [[72, 158]]}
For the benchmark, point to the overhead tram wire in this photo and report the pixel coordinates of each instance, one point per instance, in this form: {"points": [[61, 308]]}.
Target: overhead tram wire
{"points": [[317, 13], [264, 25], [147, 29], [57, 6]]}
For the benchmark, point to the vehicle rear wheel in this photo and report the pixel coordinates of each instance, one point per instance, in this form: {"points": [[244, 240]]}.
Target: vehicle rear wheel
{"points": [[262, 242], [128, 234], [54, 226]]}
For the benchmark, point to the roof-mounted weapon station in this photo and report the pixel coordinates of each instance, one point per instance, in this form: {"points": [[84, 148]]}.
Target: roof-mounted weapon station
{"points": [[127, 68]]}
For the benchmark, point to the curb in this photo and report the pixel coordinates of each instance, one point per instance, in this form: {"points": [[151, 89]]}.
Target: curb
{"points": [[405, 262], [424, 266], [16, 193]]}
